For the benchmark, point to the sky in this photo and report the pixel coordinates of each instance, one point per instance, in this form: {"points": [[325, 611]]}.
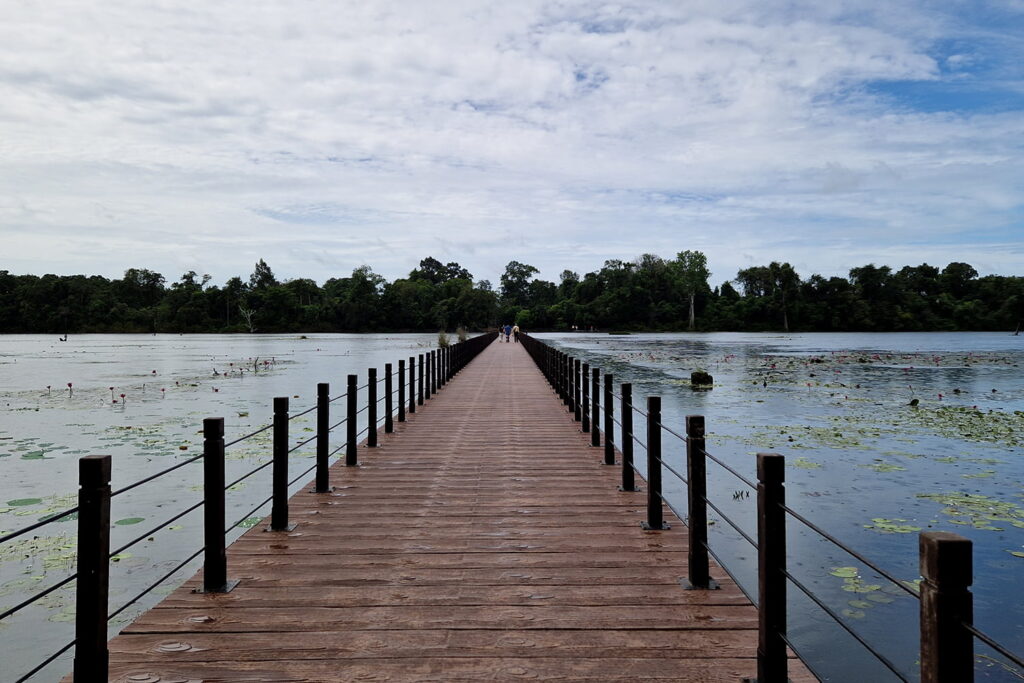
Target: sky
{"points": [[322, 136]]}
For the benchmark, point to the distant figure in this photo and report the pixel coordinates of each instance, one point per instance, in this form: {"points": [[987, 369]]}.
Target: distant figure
{"points": [[508, 333], [515, 332], [64, 338]]}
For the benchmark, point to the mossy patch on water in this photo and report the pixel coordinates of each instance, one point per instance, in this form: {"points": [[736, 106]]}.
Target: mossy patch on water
{"points": [[977, 510], [971, 424], [881, 466], [805, 464], [891, 526]]}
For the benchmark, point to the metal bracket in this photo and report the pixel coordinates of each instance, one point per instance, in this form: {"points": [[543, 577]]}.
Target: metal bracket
{"points": [[647, 527], [290, 527], [712, 585]]}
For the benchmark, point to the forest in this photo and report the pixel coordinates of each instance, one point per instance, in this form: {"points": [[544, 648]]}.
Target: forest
{"points": [[647, 293]]}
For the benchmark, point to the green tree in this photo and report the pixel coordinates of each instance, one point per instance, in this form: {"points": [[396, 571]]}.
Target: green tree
{"points": [[262, 276], [691, 271]]}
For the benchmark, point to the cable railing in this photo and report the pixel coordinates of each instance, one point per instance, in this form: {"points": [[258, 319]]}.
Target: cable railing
{"points": [[946, 614], [435, 369]]}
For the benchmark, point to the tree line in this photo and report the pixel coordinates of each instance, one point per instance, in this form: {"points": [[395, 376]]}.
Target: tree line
{"points": [[647, 293]]}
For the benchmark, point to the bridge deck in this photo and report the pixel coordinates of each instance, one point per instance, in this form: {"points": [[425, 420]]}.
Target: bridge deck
{"points": [[483, 540]]}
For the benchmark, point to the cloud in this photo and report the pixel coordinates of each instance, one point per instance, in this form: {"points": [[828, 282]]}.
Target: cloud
{"points": [[324, 135]]}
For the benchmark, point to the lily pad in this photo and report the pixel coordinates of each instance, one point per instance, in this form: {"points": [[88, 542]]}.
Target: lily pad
{"points": [[22, 502], [128, 521], [845, 572]]}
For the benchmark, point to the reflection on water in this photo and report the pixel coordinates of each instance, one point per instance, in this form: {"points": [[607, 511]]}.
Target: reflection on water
{"points": [[862, 462]]}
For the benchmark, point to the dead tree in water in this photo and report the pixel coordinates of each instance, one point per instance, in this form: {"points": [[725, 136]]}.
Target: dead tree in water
{"points": [[247, 314]]}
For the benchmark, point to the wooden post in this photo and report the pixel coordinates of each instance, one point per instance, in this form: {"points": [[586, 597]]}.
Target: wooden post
{"points": [[771, 565], [628, 476], [426, 375], [609, 425], [576, 389], [323, 437], [279, 508], [655, 516], [947, 648], [696, 473], [412, 384], [585, 397], [595, 416], [351, 455], [91, 593], [401, 391], [433, 372], [371, 407], [389, 400], [215, 562], [419, 383]]}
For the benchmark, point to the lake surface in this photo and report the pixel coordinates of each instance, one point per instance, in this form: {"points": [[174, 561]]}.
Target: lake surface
{"points": [[169, 386], [861, 461]]}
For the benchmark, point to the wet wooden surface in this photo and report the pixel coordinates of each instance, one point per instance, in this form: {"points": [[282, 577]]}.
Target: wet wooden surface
{"points": [[483, 540]]}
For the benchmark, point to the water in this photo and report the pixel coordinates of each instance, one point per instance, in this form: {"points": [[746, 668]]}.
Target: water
{"points": [[862, 463], [169, 384], [855, 454]]}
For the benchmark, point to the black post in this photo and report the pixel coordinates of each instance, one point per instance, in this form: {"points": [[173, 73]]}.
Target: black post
{"points": [[628, 476], [442, 372], [91, 594], [323, 436], [575, 369], [595, 416], [426, 375], [279, 509], [412, 384], [401, 391], [655, 517], [562, 377], [947, 648], [585, 397], [609, 425], [419, 383], [696, 472], [371, 407], [389, 401], [215, 563], [433, 373], [771, 567], [351, 456]]}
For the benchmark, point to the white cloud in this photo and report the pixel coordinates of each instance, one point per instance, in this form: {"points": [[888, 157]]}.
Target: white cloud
{"points": [[325, 135]]}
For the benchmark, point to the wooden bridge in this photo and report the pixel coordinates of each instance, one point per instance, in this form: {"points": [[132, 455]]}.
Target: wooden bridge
{"points": [[482, 540]]}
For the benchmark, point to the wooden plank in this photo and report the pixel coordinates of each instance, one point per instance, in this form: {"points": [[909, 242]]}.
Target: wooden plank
{"points": [[483, 539]]}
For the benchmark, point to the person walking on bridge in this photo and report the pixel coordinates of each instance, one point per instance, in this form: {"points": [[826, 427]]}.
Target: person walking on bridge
{"points": [[515, 333], [508, 332]]}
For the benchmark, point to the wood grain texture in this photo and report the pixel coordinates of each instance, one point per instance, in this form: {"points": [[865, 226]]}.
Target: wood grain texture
{"points": [[482, 540]]}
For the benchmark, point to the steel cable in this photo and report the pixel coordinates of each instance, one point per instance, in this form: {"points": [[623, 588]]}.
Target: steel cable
{"points": [[173, 519], [159, 581], [38, 596], [36, 525], [46, 661], [835, 617]]}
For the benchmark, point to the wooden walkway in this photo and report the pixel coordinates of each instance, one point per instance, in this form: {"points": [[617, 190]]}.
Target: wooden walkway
{"points": [[483, 540]]}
